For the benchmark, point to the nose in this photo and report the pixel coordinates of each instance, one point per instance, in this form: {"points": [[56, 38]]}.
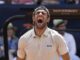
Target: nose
{"points": [[40, 13]]}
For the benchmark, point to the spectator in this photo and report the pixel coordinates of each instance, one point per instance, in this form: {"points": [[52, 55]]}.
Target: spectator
{"points": [[60, 26], [12, 41]]}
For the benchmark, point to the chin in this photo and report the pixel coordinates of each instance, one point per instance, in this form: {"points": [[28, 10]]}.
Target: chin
{"points": [[40, 27]]}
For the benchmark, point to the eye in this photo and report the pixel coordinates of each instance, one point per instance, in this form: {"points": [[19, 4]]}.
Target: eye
{"points": [[37, 13], [43, 13]]}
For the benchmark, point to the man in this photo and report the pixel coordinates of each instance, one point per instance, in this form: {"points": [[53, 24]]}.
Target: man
{"points": [[60, 26], [41, 42]]}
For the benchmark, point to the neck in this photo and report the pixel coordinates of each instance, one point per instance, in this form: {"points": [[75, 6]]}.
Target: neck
{"points": [[40, 31]]}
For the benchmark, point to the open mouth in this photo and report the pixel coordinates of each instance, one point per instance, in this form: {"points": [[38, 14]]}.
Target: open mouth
{"points": [[40, 21]]}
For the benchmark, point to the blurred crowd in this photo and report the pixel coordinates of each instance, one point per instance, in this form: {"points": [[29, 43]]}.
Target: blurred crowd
{"points": [[12, 42], [39, 1]]}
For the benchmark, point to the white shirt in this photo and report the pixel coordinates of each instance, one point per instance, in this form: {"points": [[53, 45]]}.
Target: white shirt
{"points": [[47, 47], [70, 43]]}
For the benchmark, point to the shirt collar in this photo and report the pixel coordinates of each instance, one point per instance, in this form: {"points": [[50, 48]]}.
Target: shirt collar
{"points": [[45, 34]]}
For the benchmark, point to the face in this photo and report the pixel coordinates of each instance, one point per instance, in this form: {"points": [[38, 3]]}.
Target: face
{"points": [[62, 28], [10, 32], [40, 19]]}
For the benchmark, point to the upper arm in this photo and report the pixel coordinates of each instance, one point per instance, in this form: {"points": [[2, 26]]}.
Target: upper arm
{"points": [[63, 48], [61, 45], [21, 49]]}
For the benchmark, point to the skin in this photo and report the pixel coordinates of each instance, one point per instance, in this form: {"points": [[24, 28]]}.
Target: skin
{"points": [[40, 27], [62, 28], [10, 32]]}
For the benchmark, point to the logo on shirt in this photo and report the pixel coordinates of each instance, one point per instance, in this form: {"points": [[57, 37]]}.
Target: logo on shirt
{"points": [[49, 45]]}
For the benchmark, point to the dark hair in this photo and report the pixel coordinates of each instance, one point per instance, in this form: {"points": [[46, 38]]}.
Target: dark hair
{"points": [[41, 8]]}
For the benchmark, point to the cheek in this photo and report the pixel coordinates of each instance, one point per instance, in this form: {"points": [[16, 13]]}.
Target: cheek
{"points": [[47, 19], [33, 19]]}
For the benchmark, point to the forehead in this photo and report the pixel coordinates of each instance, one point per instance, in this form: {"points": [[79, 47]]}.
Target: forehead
{"points": [[10, 29]]}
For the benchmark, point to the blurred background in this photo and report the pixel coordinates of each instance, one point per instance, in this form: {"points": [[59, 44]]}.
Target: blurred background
{"points": [[19, 12]]}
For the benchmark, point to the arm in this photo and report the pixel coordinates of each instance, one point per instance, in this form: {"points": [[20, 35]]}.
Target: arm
{"points": [[21, 49], [62, 47], [66, 56], [19, 58]]}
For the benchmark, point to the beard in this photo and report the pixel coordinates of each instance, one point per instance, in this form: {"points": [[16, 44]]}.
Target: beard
{"points": [[61, 32]]}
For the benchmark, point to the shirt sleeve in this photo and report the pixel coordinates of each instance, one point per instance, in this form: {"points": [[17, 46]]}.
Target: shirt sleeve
{"points": [[61, 45], [21, 48], [72, 47]]}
